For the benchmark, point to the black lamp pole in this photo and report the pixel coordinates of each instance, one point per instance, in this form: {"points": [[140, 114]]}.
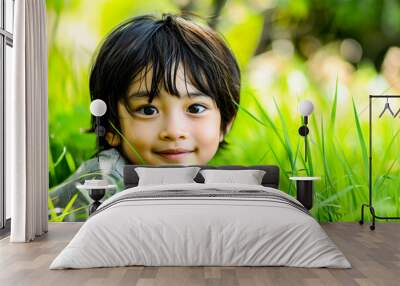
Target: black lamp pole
{"points": [[303, 131], [100, 131]]}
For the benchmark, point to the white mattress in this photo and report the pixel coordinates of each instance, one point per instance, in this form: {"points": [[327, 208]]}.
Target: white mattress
{"points": [[183, 231]]}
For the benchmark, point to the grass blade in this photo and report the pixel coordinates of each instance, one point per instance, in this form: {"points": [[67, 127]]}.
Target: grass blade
{"points": [[333, 110], [285, 135], [52, 169], [53, 214], [70, 162], [133, 149], [361, 140], [61, 217], [60, 157], [324, 155]]}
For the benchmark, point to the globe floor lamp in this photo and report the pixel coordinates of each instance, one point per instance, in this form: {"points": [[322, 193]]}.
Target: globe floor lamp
{"points": [[97, 187], [98, 108], [304, 185]]}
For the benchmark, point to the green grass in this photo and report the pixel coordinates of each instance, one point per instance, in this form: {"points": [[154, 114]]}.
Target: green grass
{"points": [[264, 132]]}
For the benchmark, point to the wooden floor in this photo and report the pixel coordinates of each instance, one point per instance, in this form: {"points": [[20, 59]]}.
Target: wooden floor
{"points": [[374, 255]]}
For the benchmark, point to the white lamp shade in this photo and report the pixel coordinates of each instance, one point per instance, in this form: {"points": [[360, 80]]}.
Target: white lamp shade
{"points": [[98, 107], [306, 107]]}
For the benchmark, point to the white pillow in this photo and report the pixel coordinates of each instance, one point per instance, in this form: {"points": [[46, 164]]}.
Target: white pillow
{"points": [[162, 176], [248, 177]]}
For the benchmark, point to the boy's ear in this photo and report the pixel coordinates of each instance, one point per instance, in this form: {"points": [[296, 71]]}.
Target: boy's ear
{"points": [[113, 139], [227, 129]]}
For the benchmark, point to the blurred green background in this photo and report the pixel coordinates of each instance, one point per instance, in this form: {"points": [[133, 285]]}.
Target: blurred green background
{"points": [[334, 53]]}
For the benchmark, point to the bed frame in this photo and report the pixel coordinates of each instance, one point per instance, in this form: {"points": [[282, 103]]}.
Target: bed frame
{"points": [[270, 179]]}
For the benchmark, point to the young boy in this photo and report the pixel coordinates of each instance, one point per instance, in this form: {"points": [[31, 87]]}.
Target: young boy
{"points": [[171, 87]]}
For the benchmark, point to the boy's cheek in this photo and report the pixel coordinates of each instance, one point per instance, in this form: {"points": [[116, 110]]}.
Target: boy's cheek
{"points": [[141, 149], [205, 154], [140, 132], [207, 133]]}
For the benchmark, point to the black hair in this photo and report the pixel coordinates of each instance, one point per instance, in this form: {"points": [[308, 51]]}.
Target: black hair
{"points": [[147, 43]]}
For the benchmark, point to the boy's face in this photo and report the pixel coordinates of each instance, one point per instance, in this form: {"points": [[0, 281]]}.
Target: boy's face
{"points": [[170, 130]]}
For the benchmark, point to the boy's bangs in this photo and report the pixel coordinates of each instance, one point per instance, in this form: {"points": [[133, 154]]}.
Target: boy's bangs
{"points": [[166, 59]]}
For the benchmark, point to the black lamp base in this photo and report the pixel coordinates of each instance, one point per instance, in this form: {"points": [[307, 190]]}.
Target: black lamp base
{"points": [[305, 193], [96, 195]]}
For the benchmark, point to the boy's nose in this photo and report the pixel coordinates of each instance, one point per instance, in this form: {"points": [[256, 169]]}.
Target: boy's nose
{"points": [[173, 135], [173, 129]]}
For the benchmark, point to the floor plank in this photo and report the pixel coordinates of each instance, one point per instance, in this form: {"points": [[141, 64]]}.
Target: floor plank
{"points": [[374, 255]]}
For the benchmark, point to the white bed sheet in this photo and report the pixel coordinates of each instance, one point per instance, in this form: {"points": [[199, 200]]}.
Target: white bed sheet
{"points": [[200, 231]]}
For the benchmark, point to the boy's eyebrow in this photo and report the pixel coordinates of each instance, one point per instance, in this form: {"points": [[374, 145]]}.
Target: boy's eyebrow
{"points": [[196, 93], [144, 93]]}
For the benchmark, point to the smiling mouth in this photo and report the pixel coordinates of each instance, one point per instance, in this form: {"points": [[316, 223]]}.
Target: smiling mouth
{"points": [[174, 154]]}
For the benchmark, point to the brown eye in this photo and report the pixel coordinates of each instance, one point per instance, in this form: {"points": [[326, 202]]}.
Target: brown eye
{"points": [[147, 110], [196, 108]]}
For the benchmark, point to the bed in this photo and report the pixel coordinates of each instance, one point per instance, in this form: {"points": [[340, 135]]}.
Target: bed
{"points": [[201, 223]]}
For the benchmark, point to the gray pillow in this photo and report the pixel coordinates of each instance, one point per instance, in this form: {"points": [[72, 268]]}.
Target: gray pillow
{"points": [[248, 177], [162, 176]]}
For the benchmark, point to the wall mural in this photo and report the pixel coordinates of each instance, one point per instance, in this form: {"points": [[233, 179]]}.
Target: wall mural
{"points": [[235, 101]]}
